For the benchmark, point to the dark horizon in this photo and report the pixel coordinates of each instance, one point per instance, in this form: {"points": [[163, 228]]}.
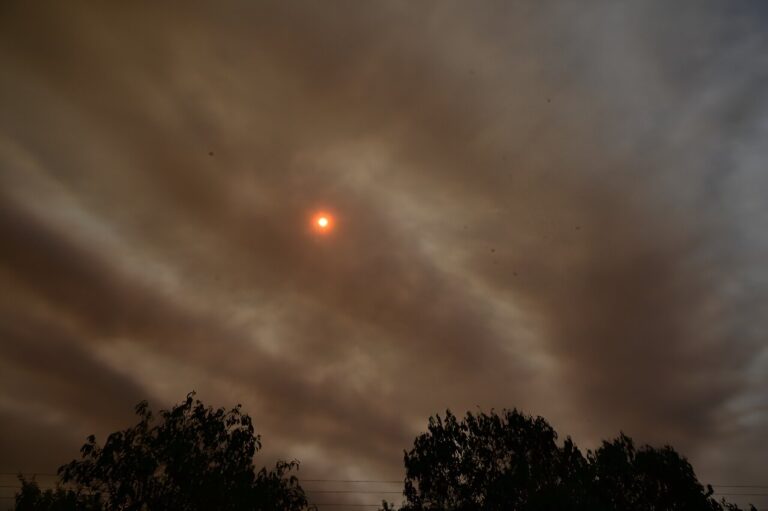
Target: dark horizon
{"points": [[539, 205], [195, 456]]}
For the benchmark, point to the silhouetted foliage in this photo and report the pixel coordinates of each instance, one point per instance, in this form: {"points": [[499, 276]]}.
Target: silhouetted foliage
{"points": [[195, 458], [189, 458], [491, 462], [31, 498], [513, 462], [624, 477]]}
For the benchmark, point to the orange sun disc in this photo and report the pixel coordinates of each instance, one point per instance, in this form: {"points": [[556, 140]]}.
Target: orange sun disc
{"points": [[322, 222]]}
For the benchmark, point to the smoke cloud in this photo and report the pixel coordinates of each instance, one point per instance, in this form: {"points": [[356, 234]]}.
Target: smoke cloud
{"points": [[542, 205]]}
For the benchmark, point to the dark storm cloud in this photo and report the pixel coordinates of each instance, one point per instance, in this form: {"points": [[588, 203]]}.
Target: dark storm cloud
{"points": [[532, 203]]}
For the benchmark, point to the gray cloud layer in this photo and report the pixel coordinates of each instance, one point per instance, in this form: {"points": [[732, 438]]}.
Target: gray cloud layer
{"points": [[547, 206]]}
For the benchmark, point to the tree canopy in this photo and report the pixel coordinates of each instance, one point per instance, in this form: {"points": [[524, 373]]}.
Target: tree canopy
{"points": [[188, 458], [511, 461], [195, 458]]}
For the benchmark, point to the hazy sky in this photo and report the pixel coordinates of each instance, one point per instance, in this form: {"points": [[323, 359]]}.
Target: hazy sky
{"points": [[558, 206]]}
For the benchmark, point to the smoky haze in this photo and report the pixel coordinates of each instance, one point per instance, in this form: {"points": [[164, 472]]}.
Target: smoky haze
{"points": [[537, 204]]}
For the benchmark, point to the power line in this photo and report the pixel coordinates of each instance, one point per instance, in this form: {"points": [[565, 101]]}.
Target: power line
{"points": [[34, 474], [742, 494], [345, 505], [350, 481], [739, 486], [383, 481], [726, 487], [353, 491]]}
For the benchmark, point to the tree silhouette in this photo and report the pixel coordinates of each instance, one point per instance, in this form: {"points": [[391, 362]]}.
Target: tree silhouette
{"points": [[513, 462], [624, 477], [195, 458], [32, 498], [493, 462], [188, 458]]}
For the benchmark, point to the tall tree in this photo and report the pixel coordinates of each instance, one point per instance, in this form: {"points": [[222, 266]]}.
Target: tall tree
{"points": [[514, 462], [625, 477], [188, 458], [493, 462]]}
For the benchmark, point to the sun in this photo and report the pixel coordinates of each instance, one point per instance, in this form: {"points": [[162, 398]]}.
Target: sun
{"points": [[322, 222]]}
